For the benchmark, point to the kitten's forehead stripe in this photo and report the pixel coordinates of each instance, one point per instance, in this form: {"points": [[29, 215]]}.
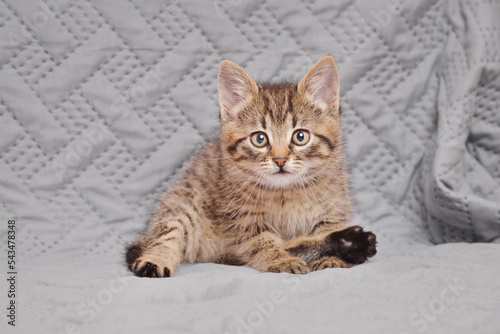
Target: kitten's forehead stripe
{"points": [[267, 109], [294, 121], [278, 100], [290, 104]]}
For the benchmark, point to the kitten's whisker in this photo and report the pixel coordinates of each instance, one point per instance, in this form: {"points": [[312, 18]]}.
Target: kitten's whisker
{"points": [[305, 193], [214, 159], [251, 192], [258, 194], [239, 211], [333, 175], [308, 185], [316, 185], [238, 191]]}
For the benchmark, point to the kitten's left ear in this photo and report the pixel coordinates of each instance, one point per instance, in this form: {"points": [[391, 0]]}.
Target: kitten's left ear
{"points": [[321, 85], [236, 89]]}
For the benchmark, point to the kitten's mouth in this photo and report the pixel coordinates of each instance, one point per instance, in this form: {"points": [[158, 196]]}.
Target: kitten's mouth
{"points": [[281, 179]]}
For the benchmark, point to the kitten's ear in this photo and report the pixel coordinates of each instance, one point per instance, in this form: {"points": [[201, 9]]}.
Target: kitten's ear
{"points": [[235, 89], [321, 85]]}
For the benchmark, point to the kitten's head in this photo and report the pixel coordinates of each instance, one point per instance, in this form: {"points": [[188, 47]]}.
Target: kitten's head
{"points": [[281, 135]]}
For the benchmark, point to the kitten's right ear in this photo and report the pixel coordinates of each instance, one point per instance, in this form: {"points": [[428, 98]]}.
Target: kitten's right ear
{"points": [[235, 89]]}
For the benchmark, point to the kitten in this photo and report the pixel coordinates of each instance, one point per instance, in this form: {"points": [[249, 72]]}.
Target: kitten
{"points": [[270, 191]]}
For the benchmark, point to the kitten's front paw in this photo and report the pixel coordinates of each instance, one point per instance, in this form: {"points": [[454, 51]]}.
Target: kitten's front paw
{"points": [[144, 266], [328, 262], [292, 265], [150, 269], [352, 245]]}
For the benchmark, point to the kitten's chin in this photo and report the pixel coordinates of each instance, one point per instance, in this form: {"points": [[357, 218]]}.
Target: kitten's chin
{"points": [[281, 180]]}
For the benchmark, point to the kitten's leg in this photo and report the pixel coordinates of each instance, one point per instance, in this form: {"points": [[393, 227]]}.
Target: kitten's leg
{"points": [[177, 231], [158, 252], [330, 246], [264, 251], [328, 262]]}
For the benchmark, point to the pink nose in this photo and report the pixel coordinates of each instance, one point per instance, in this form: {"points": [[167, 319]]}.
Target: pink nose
{"points": [[280, 162]]}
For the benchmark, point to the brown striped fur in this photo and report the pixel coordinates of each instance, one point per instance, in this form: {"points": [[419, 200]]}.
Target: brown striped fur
{"points": [[233, 203]]}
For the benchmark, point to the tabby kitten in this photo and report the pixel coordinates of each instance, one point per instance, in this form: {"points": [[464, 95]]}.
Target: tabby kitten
{"points": [[270, 191]]}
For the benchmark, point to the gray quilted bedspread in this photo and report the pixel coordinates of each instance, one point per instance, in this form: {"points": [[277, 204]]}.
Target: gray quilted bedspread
{"points": [[101, 101]]}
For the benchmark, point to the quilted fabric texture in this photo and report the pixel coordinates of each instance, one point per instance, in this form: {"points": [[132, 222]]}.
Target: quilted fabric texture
{"points": [[101, 101]]}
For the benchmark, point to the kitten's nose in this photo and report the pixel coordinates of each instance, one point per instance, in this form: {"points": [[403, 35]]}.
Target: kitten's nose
{"points": [[280, 161]]}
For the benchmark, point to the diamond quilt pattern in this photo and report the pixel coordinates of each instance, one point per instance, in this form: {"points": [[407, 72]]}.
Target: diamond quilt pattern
{"points": [[102, 101]]}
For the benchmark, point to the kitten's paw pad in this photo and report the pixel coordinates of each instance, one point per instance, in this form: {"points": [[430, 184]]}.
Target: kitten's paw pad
{"points": [[292, 265], [149, 269], [353, 245], [328, 262]]}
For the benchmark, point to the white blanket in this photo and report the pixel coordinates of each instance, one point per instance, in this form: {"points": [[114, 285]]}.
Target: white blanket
{"points": [[101, 101]]}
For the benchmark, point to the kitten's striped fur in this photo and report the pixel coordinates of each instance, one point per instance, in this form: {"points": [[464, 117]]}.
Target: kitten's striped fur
{"points": [[233, 203]]}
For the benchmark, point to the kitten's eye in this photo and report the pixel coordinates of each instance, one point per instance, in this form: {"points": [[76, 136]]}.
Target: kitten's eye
{"points": [[259, 139], [300, 137]]}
